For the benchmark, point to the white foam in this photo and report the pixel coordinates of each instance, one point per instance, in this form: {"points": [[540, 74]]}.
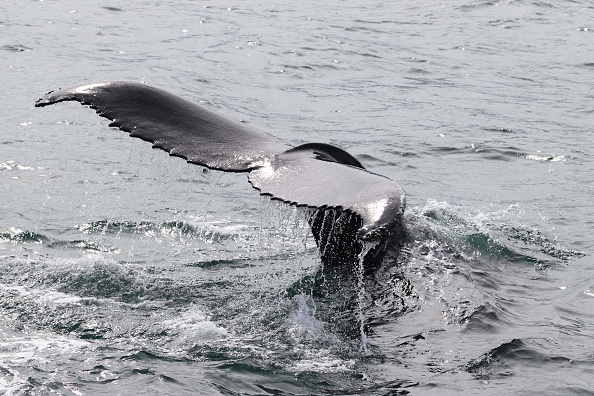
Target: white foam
{"points": [[320, 360], [551, 158], [11, 165], [11, 381], [192, 327], [323, 364], [31, 349], [43, 296]]}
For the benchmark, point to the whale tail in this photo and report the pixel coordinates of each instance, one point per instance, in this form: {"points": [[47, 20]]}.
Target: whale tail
{"points": [[351, 205]]}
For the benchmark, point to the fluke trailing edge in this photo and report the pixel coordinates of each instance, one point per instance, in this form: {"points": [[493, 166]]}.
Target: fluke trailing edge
{"points": [[351, 205]]}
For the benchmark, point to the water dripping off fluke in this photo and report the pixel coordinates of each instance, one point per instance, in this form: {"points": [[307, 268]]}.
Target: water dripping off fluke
{"points": [[283, 230], [367, 246]]}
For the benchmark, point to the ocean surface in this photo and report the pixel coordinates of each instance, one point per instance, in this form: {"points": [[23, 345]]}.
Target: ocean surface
{"points": [[124, 271]]}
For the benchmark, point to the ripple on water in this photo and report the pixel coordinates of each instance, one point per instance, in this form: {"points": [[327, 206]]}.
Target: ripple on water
{"points": [[507, 358], [15, 48]]}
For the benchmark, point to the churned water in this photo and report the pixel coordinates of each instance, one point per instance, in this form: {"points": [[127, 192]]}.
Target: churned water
{"points": [[125, 271]]}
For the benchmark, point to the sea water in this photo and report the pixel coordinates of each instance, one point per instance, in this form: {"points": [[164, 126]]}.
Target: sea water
{"points": [[125, 271]]}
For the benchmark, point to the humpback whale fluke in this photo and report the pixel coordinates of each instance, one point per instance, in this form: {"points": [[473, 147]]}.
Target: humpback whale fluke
{"points": [[364, 206]]}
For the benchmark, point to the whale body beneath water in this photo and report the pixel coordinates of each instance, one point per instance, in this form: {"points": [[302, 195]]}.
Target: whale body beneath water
{"points": [[353, 211]]}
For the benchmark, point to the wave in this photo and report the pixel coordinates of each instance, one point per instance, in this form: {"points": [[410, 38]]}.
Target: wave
{"points": [[23, 237], [282, 233], [174, 228], [499, 153], [495, 235], [19, 236]]}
